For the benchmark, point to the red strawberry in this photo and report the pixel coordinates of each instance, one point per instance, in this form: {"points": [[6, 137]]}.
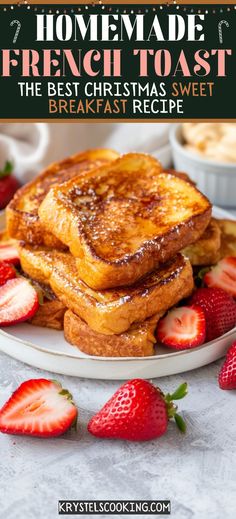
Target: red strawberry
{"points": [[182, 328], [39, 407], [9, 253], [18, 301], [8, 185], [223, 275], [227, 375], [138, 411], [219, 309], [6, 272]]}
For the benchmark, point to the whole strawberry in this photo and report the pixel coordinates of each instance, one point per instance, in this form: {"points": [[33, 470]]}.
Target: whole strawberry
{"points": [[7, 272], [219, 309], [8, 184], [138, 411], [227, 375]]}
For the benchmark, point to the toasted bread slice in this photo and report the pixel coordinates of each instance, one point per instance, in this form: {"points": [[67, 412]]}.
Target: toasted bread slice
{"points": [[50, 315], [5, 239], [228, 237], [138, 341], [110, 311], [123, 219], [179, 174], [22, 213], [206, 250]]}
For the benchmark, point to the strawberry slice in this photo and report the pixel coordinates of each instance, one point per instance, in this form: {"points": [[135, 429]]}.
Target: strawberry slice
{"points": [[9, 253], [18, 301], [6, 272], [223, 275], [39, 407], [182, 328]]}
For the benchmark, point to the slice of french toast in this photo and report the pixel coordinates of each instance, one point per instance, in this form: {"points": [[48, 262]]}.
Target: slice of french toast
{"points": [[206, 250], [180, 174], [109, 311], [50, 315], [138, 341], [228, 237], [123, 219], [22, 213]]}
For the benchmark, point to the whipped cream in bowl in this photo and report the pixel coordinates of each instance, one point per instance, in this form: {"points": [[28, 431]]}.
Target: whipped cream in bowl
{"points": [[207, 153], [215, 141]]}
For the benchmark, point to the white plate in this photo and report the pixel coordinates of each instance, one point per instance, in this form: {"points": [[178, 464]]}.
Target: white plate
{"points": [[47, 349]]}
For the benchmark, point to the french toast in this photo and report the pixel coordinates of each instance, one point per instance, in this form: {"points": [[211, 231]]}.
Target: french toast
{"points": [[206, 250], [5, 238], [123, 219], [109, 311], [22, 213], [179, 174], [138, 341], [228, 237], [50, 315]]}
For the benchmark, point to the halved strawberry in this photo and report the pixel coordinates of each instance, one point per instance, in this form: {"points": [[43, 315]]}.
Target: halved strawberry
{"points": [[18, 301], [223, 275], [39, 407], [182, 328], [7, 272], [9, 253]]}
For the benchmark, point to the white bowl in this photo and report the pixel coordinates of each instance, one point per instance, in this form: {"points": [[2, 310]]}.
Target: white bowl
{"points": [[217, 180]]}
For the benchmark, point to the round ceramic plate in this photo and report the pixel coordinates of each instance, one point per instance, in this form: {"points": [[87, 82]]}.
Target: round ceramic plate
{"points": [[47, 349]]}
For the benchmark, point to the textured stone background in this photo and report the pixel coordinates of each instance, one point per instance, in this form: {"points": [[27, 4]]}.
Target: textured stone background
{"points": [[197, 471]]}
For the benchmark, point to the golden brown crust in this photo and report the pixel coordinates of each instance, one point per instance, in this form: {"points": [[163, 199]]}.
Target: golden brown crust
{"points": [[50, 315], [28, 228], [138, 341], [5, 238], [110, 311], [100, 274], [206, 250], [228, 237], [180, 174], [122, 220], [22, 213]]}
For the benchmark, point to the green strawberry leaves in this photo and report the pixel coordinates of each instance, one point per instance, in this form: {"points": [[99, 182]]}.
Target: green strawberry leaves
{"points": [[180, 423], [200, 277], [180, 393], [7, 170]]}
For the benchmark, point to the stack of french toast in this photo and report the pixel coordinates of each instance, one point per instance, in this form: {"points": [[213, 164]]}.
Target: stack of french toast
{"points": [[111, 241]]}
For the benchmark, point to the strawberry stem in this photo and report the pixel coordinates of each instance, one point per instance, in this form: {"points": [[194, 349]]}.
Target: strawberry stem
{"points": [[66, 394], [180, 423], [180, 392], [199, 278], [7, 170]]}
